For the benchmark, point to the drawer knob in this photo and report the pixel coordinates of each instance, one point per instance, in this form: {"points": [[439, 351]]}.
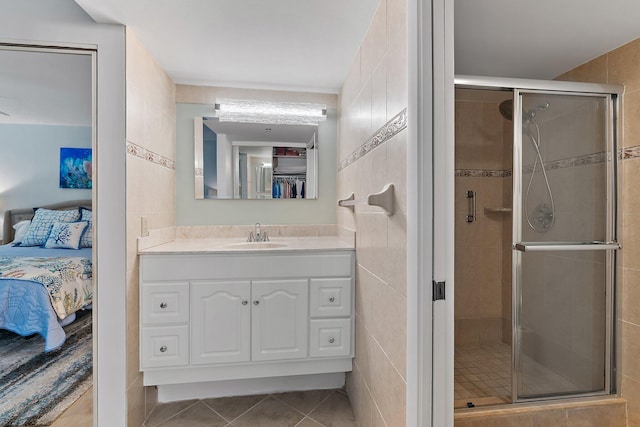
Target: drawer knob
{"points": [[332, 299], [332, 340], [163, 349], [245, 302], [256, 302], [163, 305]]}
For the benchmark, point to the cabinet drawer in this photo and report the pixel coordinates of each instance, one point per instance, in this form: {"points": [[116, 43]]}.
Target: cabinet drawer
{"points": [[164, 346], [164, 303], [330, 297], [330, 337]]}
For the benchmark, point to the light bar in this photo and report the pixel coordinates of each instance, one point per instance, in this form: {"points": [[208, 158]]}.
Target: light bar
{"points": [[269, 112]]}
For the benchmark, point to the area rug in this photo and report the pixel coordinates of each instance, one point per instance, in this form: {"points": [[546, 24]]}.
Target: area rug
{"points": [[36, 387]]}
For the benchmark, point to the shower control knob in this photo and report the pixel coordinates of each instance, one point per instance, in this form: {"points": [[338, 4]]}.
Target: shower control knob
{"points": [[245, 302], [332, 340], [163, 349], [163, 305], [256, 302], [332, 299]]}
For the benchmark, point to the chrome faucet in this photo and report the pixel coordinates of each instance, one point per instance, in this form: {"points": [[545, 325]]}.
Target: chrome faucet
{"points": [[257, 236]]}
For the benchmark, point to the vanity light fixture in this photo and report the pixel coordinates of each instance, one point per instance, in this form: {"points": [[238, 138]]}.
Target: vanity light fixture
{"points": [[269, 112]]}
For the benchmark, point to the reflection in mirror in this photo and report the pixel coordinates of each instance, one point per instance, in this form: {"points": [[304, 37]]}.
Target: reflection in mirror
{"points": [[254, 161]]}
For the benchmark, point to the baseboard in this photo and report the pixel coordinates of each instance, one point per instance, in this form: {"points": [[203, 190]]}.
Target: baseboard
{"points": [[214, 389]]}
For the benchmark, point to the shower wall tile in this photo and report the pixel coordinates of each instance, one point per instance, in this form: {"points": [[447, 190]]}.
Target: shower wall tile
{"points": [[624, 66], [631, 125], [630, 311], [631, 392], [630, 335], [375, 91], [595, 71], [630, 194]]}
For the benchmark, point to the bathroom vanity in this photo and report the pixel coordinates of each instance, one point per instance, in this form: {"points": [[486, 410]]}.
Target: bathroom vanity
{"points": [[213, 310]]}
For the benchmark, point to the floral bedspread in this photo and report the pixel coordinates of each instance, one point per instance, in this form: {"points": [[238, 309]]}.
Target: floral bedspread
{"points": [[67, 279]]}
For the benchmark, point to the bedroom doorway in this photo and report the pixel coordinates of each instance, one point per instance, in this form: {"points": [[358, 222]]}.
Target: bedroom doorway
{"points": [[48, 134]]}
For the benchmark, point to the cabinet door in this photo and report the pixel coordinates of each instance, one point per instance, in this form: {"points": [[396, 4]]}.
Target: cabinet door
{"points": [[280, 319], [220, 322]]}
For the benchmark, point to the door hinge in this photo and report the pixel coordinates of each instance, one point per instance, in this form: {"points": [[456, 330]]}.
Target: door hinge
{"points": [[438, 290]]}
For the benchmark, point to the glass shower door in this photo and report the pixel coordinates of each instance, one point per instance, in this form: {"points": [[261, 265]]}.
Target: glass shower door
{"points": [[564, 243]]}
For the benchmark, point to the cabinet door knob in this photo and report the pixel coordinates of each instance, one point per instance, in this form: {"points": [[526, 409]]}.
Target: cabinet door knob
{"points": [[163, 349], [256, 302], [332, 299], [331, 340], [245, 302], [163, 305]]}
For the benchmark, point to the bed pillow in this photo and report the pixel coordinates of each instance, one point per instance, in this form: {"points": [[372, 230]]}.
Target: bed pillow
{"points": [[65, 235], [42, 222], [87, 237], [21, 229]]}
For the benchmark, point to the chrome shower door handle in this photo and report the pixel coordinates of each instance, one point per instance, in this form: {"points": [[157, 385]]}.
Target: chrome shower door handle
{"points": [[471, 196], [566, 246]]}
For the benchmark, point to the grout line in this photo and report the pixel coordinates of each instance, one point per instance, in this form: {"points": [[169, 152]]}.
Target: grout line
{"points": [[216, 412], [172, 416]]}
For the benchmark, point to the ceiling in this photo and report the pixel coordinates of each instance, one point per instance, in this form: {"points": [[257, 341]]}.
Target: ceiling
{"points": [[261, 132], [45, 88], [275, 44], [539, 39], [308, 45]]}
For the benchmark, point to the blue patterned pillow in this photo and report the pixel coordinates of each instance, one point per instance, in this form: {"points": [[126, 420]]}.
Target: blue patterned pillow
{"points": [[87, 237], [65, 235], [42, 222]]}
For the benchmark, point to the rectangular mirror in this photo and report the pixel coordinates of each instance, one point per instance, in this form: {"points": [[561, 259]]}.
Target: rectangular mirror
{"points": [[255, 161]]}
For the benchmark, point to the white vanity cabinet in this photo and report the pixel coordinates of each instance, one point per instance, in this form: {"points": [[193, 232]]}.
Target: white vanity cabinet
{"points": [[253, 314]]}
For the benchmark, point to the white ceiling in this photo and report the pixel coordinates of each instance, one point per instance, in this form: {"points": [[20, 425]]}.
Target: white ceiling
{"points": [[309, 45], [261, 132], [539, 39], [274, 44], [45, 88]]}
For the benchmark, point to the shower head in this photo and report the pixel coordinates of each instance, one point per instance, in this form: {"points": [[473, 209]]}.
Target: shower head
{"points": [[506, 110]]}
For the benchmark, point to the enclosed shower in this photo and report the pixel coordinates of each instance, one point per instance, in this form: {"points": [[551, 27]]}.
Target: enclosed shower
{"points": [[536, 243]]}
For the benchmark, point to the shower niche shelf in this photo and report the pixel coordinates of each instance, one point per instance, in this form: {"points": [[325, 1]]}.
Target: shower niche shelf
{"points": [[489, 210]]}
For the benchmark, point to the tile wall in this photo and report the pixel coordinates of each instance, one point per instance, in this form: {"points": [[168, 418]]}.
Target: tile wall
{"points": [[150, 189], [372, 144], [622, 66], [482, 167]]}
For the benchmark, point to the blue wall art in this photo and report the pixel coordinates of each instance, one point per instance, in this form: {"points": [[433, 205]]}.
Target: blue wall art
{"points": [[75, 168]]}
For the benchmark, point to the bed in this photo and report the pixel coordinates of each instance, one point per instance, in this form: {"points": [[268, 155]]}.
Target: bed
{"points": [[42, 286]]}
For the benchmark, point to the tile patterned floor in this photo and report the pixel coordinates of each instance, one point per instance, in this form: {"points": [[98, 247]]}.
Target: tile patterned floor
{"points": [[483, 375], [317, 408]]}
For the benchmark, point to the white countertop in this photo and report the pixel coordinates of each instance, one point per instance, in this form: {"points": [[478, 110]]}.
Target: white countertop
{"points": [[240, 245]]}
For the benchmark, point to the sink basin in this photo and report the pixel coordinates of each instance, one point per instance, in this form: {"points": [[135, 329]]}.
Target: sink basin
{"points": [[256, 245]]}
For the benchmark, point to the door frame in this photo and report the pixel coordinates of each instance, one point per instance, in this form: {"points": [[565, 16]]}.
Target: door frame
{"points": [[513, 84], [611, 232], [430, 110]]}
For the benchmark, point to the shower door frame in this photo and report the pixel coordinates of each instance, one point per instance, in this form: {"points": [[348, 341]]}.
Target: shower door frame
{"points": [[614, 92], [610, 244]]}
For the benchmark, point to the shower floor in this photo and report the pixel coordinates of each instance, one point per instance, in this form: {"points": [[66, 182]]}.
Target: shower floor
{"points": [[483, 376]]}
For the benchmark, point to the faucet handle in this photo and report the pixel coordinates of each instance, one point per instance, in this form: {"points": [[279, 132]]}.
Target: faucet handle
{"points": [[251, 238], [265, 236]]}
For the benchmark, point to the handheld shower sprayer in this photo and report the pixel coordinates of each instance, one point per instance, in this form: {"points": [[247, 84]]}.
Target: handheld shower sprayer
{"points": [[544, 215]]}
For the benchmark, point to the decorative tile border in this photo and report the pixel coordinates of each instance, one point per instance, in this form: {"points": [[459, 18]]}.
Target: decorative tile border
{"points": [[385, 133], [629, 153], [483, 173], [588, 159], [150, 156]]}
